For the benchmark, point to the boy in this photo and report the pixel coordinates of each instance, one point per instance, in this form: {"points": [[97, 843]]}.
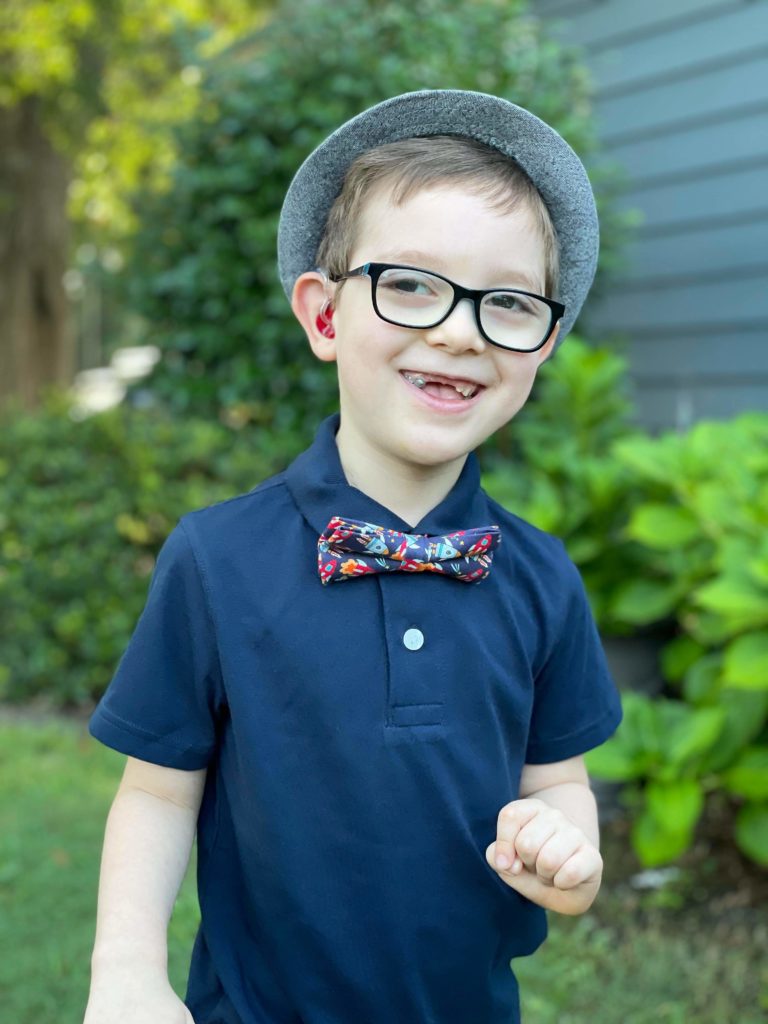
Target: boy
{"points": [[385, 775]]}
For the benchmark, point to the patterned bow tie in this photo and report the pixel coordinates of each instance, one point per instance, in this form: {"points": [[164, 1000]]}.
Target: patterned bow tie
{"points": [[349, 548]]}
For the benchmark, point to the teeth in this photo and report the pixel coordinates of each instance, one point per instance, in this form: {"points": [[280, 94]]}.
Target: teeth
{"points": [[465, 390]]}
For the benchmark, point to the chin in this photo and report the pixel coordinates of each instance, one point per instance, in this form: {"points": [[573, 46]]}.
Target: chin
{"points": [[433, 452]]}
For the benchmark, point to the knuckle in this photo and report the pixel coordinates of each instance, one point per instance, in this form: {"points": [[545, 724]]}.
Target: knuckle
{"points": [[508, 814], [547, 863]]}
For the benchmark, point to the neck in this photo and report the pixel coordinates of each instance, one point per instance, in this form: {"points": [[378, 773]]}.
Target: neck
{"points": [[408, 490]]}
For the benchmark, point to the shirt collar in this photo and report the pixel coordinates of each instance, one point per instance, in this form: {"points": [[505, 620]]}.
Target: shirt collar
{"points": [[319, 487]]}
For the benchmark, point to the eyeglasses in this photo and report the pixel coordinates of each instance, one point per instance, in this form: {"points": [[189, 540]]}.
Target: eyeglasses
{"points": [[507, 317]]}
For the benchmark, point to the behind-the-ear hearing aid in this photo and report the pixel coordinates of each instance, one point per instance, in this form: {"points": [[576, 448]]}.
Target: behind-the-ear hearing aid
{"points": [[323, 321]]}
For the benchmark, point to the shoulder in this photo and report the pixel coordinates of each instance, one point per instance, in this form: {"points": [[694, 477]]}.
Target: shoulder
{"points": [[539, 574], [535, 553], [234, 524]]}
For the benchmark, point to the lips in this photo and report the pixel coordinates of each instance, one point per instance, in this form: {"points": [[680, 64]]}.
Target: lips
{"points": [[464, 386]]}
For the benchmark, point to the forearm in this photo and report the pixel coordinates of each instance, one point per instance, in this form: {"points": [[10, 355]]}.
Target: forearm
{"points": [[577, 802], [146, 850]]}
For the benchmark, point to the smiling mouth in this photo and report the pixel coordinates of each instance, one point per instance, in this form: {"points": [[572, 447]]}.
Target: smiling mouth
{"points": [[442, 387]]}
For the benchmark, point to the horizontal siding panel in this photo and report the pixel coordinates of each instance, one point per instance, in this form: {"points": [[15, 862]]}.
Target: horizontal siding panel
{"points": [[723, 196], [603, 22], [682, 106], [734, 139], [678, 50], [564, 8], [701, 359], [741, 304], [674, 407], [725, 250], [708, 94]]}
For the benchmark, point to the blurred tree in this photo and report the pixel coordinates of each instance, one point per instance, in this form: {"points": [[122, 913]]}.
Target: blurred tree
{"points": [[203, 269], [86, 87]]}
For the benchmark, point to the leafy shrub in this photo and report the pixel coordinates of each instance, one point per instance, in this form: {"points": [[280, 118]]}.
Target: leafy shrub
{"points": [[674, 531], [703, 526], [203, 271], [85, 508], [555, 468]]}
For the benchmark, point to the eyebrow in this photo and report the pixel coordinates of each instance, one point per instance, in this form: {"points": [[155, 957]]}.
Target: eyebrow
{"points": [[427, 261]]}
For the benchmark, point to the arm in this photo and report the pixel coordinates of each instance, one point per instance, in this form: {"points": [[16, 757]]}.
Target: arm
{"points": [[564, 785], [147, 843], [549, 838]]}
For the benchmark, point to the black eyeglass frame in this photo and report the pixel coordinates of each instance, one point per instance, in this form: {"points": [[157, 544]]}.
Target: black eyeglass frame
{"points": [[475, 295]]}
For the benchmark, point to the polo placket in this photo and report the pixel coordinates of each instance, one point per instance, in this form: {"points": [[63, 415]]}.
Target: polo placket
{"points": [[416, 691]]}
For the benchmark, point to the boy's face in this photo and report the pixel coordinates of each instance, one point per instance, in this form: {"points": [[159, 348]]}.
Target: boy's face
{"points": [[457, 234]]}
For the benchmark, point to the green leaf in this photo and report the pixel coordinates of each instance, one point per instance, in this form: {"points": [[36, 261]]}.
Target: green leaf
{"points": [[640, 602], [679, 655], [663, 527], [745, 716], [737, 599], [656, 459], [675, 806], [614, 762], [655, 845], [693, 735], [752, 831], [748, 776], [746, 661], [701, 684], [639, 732]]}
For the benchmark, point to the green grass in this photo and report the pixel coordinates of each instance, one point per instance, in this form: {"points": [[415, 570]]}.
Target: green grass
{"points": [[56, 786], [634, 960]]}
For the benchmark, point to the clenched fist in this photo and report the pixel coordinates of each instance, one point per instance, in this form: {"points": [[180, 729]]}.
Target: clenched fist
{"points": [[542, 855]]}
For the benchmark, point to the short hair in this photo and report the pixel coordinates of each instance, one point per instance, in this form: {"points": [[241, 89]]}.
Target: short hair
{"points": [[410, 165]]}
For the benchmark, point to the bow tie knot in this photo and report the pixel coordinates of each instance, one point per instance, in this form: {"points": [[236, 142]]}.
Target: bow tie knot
{"points": [[349, 547]]}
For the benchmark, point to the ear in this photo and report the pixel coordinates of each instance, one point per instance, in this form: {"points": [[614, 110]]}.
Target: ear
{"points": [[546, 349], [309, 294]]}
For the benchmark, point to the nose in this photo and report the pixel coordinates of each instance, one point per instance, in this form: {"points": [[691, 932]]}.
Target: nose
{"points": [[459, 331]]}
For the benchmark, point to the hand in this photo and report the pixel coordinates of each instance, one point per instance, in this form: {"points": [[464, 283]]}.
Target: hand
{"points": [[133, 999], [549, 860]]}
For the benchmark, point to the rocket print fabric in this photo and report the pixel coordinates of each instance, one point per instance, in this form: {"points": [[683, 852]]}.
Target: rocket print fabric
{"points": [[349, 547]]}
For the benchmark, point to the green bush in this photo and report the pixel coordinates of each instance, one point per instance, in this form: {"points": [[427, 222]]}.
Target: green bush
{"points": [[203, 270], [703, 527], [85, 508], [674, 531], [555, 468]]}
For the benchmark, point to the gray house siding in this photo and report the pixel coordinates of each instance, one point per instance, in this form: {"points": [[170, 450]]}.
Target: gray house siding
{"points": [[682, 104]]}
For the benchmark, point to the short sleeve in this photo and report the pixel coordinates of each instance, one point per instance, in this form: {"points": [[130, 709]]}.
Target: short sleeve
{"points": [[576, 703], [166, 695]]}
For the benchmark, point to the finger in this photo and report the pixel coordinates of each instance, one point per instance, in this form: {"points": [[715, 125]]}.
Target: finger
{"points": [[532, 837], [512, 817], [585, 865], [555, 851]]}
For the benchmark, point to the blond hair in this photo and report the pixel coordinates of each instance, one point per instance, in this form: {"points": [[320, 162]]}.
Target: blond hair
{"points": [[410, 165]]}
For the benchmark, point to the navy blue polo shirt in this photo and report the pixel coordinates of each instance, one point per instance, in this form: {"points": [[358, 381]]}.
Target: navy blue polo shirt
{"points": [[360, 740]]}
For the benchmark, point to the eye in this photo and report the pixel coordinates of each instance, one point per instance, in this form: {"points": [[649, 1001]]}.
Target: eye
{"points": [[509, 302], [410, 285]]}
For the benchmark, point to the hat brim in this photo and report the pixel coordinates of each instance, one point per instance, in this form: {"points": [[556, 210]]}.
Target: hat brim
{"points": [[544, 155]]}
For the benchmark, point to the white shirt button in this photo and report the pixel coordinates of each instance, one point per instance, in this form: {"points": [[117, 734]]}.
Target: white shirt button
{"points": [[413, 639]]}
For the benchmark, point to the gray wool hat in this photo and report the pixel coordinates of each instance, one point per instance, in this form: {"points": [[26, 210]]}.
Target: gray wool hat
{"points": [[544, 155]]}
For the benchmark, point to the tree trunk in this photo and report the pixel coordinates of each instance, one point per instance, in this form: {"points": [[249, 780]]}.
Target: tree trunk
{"points": [[37, 348]]}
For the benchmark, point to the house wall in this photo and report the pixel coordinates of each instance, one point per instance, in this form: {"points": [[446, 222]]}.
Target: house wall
{"points": [[682, 104]]}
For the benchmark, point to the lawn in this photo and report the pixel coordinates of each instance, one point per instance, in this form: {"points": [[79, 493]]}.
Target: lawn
{"points": [[693, 952]]}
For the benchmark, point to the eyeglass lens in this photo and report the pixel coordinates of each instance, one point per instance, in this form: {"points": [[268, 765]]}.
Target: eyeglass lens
{"points": [[416, 299]]}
